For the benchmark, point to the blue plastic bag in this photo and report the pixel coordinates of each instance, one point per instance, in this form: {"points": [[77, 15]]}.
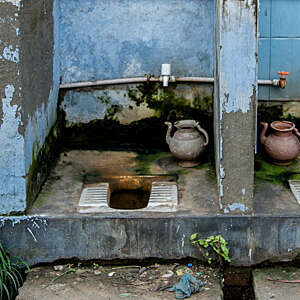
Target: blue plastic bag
{"points": [[187, 285]]}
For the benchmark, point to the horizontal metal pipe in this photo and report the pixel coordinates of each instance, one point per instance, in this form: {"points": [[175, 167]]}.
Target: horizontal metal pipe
{"points": [[265, 82], [108, 82], [195, 79], [274, 82]]}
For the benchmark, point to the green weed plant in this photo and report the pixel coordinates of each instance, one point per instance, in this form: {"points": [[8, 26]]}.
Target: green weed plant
{"points": [[216, 244], [11, 278]]}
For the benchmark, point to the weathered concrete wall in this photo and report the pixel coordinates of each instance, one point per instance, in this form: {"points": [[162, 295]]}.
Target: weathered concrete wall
{"points": [[40, 72], [29, 88], [251, 240], [235, 103], [12, 165], [116, 39], [129, 103], [40, 77]]}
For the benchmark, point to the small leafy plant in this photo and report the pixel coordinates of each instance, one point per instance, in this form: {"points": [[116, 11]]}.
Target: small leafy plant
{"points": [[11, 278], [95, 266], [217, 244]]}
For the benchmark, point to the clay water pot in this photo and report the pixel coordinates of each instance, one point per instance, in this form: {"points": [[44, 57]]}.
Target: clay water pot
{"points": [[282, 145], [188, 142]]}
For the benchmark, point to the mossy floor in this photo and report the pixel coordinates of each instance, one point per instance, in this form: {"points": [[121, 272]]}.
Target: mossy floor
{"points": [[272, 192], [197, 186], [61, 193]]}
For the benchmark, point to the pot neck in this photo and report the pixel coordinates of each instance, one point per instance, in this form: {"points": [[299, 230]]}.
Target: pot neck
{"points": [[282, 133]]}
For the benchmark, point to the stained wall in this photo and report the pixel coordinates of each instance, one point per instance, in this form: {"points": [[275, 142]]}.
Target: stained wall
{"points": [[29, 84]]}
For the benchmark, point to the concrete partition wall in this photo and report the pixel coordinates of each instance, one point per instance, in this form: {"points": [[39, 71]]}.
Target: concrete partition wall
{"points": [[12, 163], [235, 102], [29, 82]]}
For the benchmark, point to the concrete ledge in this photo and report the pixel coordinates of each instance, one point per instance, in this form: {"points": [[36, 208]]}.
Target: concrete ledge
{"points": [[266, 289], [251, 240]]}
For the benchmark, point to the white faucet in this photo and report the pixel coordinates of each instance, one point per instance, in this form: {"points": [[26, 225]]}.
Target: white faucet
{"points": [[165, 74]]}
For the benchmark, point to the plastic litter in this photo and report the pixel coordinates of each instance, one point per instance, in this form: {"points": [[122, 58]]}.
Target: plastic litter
{"points": [[142, 270], [58, 268], [190, 265], [126, 295], [111, 274], [168, 274], [163, 286], [97, 272], [187, 286]]}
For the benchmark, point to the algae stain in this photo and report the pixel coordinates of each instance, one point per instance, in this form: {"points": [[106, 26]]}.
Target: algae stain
{"points": [[105, 98], [144, 161], [268, 172], [168, 104], [43, 159]]}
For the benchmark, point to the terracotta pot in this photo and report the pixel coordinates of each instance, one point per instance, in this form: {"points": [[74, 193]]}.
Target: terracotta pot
{"points": [[282, 145], [188, 142]]}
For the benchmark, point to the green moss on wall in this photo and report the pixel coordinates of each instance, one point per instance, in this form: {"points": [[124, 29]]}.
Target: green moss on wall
{"points": [[169, 105], [41, 164], [148, 133]]}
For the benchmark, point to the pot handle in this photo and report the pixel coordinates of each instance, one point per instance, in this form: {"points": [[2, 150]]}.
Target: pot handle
{"points": [[297, 132], [205, 134]]}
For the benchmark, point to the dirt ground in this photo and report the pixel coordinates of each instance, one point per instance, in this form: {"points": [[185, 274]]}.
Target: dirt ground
{"points": [[115, 282], [278, 283]]}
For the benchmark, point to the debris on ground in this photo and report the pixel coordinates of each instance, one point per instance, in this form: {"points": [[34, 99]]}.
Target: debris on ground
{"points": [[187, 286], [111, 274], [168, 274], [59, 268], [125, 295], [148, 282], [142, 270]]}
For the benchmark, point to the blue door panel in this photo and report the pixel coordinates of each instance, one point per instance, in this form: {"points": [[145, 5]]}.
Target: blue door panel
{"points": [[285, 56], [264, 68], [279, 47], [285, 18], [264, 20]]}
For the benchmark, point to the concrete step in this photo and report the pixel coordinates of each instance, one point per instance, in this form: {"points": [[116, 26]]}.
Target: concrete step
{"points": [[267, 289]]}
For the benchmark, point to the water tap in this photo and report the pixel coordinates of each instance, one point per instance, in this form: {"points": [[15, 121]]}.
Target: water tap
{"points": [[282, 79], [165, 74]]}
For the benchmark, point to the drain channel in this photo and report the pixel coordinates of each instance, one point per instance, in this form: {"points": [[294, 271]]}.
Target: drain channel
{"points": [[129, 199], [238, 284]]}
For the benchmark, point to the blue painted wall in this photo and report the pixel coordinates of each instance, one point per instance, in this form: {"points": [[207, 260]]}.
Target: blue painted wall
{"points": [[125, 38], [279, 46]]}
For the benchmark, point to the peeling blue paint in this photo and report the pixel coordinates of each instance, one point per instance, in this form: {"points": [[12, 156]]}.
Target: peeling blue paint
{"points": [[37, 222], [12, 168], [16, 3], [236, 206], [11, 54], [115, 39]]}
